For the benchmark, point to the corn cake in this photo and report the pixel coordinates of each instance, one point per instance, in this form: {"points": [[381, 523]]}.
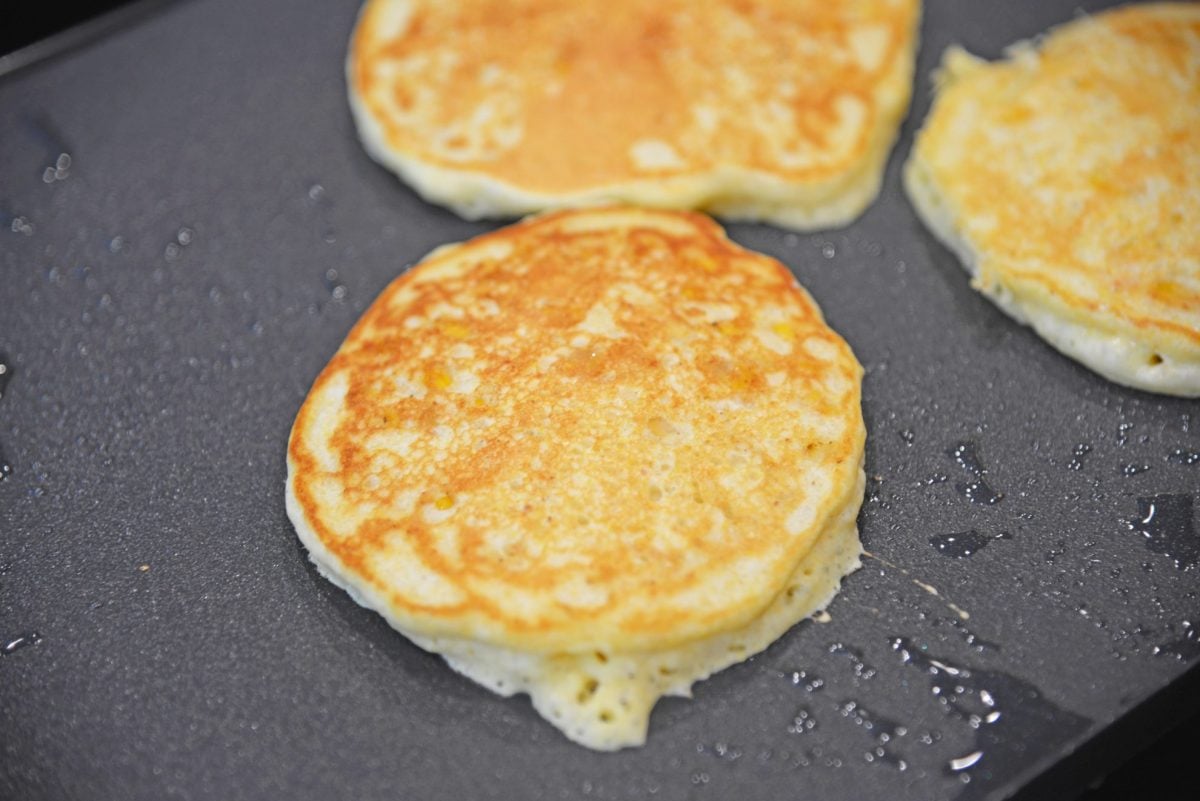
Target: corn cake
{"points": [[593, 457], [750, 109], [1067, 180]]}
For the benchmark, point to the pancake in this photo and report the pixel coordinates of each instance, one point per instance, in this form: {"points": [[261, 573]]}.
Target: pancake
{"points": [[762, 110], [1067, 180], [594, 457]]}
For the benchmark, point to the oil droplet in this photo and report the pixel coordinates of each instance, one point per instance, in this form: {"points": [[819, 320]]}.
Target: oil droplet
{"points": [[802, 723], [17, 643], [908, 436], [930, 737], [1167, 524], [1123, 432], [174, 249], [337, 290], [960, 545], [808, 681], [726, 751], [1134, 469], [21, 225], [1184, 648], [968, 761], [884, 733], [978, 491], [1180, 456], [861, 669], [828, 250], [59, 171], [1078, 455]]}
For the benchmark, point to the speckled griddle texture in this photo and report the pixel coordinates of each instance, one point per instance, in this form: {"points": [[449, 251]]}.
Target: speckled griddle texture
{"points": [[170, 290]]}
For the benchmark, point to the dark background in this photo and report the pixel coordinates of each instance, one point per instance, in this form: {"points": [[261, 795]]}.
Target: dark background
{"points": [[22, 24], [1160, 770]]}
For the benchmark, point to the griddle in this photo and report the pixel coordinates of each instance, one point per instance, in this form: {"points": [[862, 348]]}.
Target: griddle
{"points": [[189, 227]]}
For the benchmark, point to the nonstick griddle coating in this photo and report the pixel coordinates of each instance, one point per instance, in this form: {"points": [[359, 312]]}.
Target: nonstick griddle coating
{"points": [[167, 301]]}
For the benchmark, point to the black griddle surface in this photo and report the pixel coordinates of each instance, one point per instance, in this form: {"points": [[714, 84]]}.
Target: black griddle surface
{"points": [[168, 293]]}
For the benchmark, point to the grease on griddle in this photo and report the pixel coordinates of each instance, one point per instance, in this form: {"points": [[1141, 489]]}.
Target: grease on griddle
{"points": [[337, 290], [966, 454], [884, 732], [59, 171], [806, 679], [319, 199], [959, 545], [17, 223], [861, 669], [1185, 647], [1078, 455], [1184, 457], [1123, 430], [1013, 723], [1167, 524], [803, 722], [183, 237], [58, 152], [728, 752], [17, 643]]}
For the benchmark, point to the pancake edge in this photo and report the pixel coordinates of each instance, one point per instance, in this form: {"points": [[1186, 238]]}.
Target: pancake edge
{"points": [[509, 671]]}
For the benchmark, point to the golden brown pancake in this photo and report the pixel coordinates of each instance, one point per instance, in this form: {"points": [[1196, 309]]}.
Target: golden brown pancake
{"points": [[594, 456], [1067, 179], [751, 109]]}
